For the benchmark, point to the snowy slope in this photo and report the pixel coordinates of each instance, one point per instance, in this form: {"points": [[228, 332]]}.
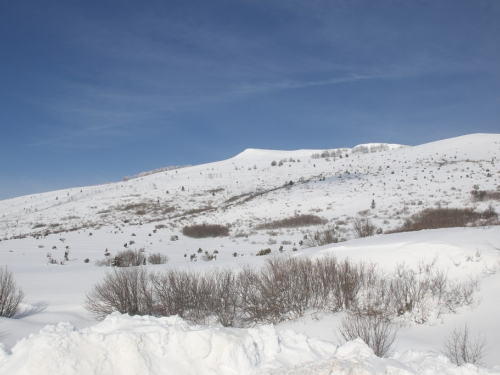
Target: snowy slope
{"points": [[246, 191]]}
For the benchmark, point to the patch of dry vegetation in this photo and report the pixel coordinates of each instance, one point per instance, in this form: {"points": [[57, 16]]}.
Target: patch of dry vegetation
{"points": [[436, 218], [293, 222], [205, 230]]}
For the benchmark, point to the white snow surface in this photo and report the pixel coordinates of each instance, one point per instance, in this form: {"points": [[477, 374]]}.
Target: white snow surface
{"points": [[125, 345], [243, 192]]}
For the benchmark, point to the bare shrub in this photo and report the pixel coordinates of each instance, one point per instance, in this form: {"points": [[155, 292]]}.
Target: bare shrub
{"points": [[207, 257], [282, 290], [462, 348], [129, 258], [285, 288], [106, 262], [205, 230], [320, 238], [263, 252], [157, 258], [377, 333], [223, 299], [272, 241], [460, 294], [248, 281], [123, 290], [240, 234], [363, 228], [373, 297], [183, 293], [293, 222], [11, 296], [340, 281]]}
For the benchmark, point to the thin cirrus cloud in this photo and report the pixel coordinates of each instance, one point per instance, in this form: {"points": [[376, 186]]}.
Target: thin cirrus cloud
{"points": [[133, 108]]}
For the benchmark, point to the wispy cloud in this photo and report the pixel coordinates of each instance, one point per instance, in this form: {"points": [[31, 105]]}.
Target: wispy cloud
{"points": [[292, 84], [147, 66], [93, 112]]}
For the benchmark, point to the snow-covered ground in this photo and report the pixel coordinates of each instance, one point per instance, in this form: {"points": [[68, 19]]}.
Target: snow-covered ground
{"points": [[243, 192], [145, 345]]}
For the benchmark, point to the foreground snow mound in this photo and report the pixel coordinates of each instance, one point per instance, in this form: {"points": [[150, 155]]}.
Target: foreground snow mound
{"points": [[356, 358], [146, 345]]}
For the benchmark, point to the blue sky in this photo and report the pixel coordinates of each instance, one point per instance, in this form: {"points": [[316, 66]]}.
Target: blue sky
{"points": [[91, 91]]}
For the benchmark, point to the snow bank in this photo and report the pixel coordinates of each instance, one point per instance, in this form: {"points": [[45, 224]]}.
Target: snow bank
{"points": [[147, 345]]}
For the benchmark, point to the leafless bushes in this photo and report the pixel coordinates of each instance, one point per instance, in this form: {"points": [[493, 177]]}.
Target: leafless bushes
{"points": [[363, 228], [417, 292], [283, 288], [293, 222], [205, 230], [124, 290], [157, 258], [125, 258], [105, 262], [180, 293], [447, 218], [337, 153], [263, 252], [149, 206], [129, 258], [11, 296], [321, 237], [224, 301], [462, 348], [377, 333], [484, 195]]}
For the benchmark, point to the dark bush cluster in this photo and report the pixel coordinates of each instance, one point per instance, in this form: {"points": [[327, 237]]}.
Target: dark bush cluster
{"points": [[293, 222], [435, 218], [263, 252], [205, 230], [484, 195]]}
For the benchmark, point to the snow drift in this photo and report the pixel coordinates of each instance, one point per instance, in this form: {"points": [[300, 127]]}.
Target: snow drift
{"points": [[146, 345]]}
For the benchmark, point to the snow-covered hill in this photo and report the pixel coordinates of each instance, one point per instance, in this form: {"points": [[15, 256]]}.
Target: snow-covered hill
{"points": [[383, 183], [246, 190]]}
